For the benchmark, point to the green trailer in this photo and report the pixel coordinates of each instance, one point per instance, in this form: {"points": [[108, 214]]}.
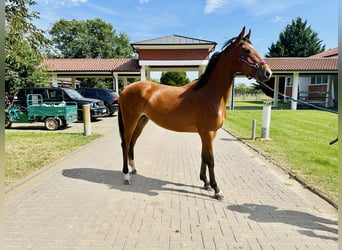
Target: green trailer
{"points": [[54, 114]]}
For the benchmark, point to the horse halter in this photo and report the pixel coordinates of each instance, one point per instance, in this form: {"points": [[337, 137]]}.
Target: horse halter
{"points": [[247, 60], [251, 63]]}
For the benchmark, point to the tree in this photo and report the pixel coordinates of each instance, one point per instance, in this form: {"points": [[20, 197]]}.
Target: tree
{"points": [[241, 89], [174, 78], [92, 38], [89, 39], [297, 40], [23, 43]]}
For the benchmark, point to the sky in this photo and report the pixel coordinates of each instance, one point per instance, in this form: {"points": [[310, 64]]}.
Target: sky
{"points": [[213, 20]]}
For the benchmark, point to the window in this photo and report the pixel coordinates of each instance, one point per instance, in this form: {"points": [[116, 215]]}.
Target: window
{"points": [[55, 95], [319, 79], [288, 81]]}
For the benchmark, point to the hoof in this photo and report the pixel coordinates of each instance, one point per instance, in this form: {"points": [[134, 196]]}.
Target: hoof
{"points": [[127, 182], [207, 187], [219, 196], [134, 171], [127, 179]]}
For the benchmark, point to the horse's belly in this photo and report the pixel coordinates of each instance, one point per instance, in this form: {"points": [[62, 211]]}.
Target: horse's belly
{"points": [[173, 122]]}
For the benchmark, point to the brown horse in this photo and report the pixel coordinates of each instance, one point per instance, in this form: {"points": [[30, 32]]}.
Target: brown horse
{"points": [[199, 106]]}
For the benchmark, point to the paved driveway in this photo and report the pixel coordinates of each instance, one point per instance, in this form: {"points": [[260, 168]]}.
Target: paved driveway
{"points": [[80, 201]]}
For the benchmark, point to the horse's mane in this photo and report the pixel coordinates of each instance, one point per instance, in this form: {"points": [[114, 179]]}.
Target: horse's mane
{"points": [[203, 80]]}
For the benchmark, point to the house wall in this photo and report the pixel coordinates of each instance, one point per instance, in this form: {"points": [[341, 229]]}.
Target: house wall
{"points": [[320, 93], [304, 83], [288, 91], [173, 54], [317, 92]]}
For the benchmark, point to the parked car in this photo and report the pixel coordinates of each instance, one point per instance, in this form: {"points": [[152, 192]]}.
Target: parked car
{"points": [[109, 97], [53, 94]]}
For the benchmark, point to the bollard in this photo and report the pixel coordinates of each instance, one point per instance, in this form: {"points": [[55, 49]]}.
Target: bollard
{"points": [[86, 119], [266, 119], [253, 129]]}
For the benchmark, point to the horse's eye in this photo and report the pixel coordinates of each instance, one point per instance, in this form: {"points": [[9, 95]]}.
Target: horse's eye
{"points": [[247, 51]]}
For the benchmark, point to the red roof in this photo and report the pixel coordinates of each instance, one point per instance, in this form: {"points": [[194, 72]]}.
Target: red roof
{"points": [[92, 65], [325, 61], [330, 53], [302, 64]]}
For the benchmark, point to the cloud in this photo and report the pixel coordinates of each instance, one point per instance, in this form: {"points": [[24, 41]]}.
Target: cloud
{"points": [[212, 5], [78, 1], [253, 7], [281, 19], [144, 1], [216, 5], [63, 2], [104, 9]]}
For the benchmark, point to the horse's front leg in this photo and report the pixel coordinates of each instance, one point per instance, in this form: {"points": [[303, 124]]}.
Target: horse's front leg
{"points": [[208, 160], [218, 193]]}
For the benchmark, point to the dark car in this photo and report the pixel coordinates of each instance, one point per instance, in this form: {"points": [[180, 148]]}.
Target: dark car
{"points": [[53, 94], [109, 97]]}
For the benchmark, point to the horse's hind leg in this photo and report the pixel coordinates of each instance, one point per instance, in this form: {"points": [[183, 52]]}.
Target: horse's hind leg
{"points": [[125, 138], [137, 131]]}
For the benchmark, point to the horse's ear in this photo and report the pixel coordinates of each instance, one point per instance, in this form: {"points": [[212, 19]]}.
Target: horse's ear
{"points": [[248, 35], [239, 38]]}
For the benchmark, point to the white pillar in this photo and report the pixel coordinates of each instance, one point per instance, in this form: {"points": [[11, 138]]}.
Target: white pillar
{"points": [[266, 119], [231, 96], [201, 70], [276, 91], [73, 83], [86, 119], [148, 73], [116, 83], [54, 82], [124, 81], [295, 90], [143, 73], [329, 94]]}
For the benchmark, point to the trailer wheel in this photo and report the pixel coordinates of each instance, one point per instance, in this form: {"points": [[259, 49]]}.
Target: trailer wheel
{"points": [[51, 123]]}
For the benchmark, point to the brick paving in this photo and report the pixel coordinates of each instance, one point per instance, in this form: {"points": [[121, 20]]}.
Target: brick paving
{"points": [[80, 201]]}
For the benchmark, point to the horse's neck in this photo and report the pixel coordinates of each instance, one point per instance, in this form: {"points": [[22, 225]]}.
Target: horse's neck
{"points": [[220, 83]]}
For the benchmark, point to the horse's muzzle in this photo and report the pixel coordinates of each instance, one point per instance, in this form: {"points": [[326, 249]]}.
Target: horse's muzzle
{"points": [[264, 73]]}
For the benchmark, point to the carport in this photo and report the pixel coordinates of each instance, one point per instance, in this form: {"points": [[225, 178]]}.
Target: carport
{"points": [[74, 68], [169, 53]]}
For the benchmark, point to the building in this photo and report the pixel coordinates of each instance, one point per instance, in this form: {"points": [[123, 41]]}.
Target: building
{"points": [[312, 79], [169, 53]]}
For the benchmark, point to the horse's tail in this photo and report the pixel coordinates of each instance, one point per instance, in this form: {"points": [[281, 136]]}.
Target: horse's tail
{"points": [[121, 125]]}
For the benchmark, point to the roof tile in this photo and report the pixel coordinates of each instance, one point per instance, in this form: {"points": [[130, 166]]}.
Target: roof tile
{"points": [[174, 40], [330, 53], [91, 64], [302, 64]]}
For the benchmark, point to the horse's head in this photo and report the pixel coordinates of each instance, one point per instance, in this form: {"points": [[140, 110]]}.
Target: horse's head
{"points": [[249, 61]]}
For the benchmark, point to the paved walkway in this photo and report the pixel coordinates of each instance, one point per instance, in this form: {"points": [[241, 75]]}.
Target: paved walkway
{"points": [[80, 202]]}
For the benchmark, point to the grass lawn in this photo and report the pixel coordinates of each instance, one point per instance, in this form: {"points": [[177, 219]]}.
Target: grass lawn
{"points": [[28, 151], [300, 143]]}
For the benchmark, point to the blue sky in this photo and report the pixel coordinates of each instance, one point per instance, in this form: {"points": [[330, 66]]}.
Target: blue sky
{"points": [[214, 20]]}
